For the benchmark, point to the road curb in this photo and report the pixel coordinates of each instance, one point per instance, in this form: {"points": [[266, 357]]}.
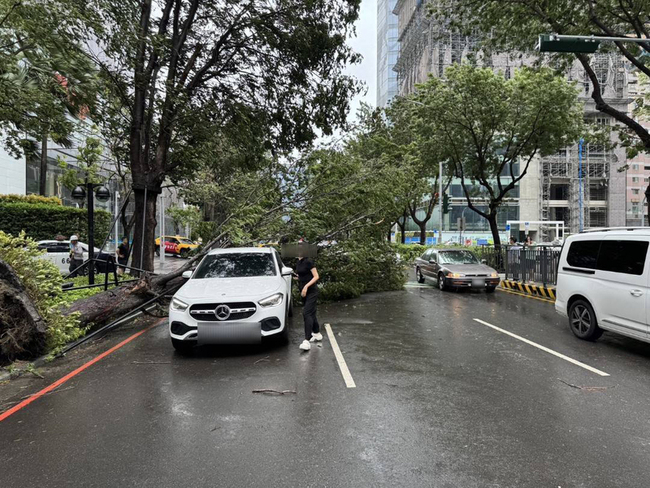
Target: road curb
{"points": [[527, 289]]}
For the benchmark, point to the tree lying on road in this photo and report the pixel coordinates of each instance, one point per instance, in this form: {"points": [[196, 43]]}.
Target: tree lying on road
{"points": [[488, 129]]}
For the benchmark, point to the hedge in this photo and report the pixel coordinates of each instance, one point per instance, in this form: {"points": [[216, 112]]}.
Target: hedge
{"points": [[30, 199], [42, 221]]}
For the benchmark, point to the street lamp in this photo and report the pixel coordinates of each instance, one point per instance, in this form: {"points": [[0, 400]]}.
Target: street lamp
{"points": [[89, 192]]}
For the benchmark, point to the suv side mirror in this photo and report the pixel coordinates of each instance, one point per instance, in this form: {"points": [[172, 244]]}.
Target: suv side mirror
{"points": [[187, 274], [287, 271]]}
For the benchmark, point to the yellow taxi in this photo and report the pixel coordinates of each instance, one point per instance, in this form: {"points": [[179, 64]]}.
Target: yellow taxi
{"points": [[178, 245]]}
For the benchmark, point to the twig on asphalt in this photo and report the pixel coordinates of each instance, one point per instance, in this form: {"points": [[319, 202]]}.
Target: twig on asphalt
{"points": [[274, 392], [263, 359], [586, 388]]}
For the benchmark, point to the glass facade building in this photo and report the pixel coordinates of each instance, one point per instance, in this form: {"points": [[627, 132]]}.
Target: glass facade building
{"points": [[387, 51]]}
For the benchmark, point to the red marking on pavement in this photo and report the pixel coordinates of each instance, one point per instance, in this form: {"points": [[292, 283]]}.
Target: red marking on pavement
{"points": [[71, 375]]}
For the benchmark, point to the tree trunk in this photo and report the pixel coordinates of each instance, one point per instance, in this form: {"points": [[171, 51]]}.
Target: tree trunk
{"points": [[494, 228], [423, 233], [145, 228], [23, 332], [42, 178], [647, 202]]}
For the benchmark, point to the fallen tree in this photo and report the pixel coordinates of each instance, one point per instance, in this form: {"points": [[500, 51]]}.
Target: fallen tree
{"points": [[23, 332]]}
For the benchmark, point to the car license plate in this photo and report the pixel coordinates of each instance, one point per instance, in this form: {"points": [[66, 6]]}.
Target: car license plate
{"points": [[229, 333], [478, 283]]}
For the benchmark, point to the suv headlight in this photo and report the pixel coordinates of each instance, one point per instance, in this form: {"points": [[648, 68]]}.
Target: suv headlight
{"points": [[178, 305], [271, 301]]}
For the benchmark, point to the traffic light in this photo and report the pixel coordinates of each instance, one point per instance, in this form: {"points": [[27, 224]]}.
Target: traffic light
{"points": [[445, 203]]}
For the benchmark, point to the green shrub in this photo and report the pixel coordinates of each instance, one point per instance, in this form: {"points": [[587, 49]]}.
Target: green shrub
{"points": [[30, 199], [42, 221], [43, 281]]}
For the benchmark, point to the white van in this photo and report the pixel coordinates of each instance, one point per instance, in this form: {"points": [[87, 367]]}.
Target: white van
{"points": [[603, 283]]}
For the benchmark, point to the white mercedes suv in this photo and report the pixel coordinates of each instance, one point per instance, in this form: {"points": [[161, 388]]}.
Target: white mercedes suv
{"points": [[234, 296]]}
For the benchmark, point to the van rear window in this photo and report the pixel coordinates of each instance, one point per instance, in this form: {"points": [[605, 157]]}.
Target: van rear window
{"points": [[623, 256], [583, 254]]}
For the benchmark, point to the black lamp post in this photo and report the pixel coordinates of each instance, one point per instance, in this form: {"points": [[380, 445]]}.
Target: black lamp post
{"points": [[79, 193]]}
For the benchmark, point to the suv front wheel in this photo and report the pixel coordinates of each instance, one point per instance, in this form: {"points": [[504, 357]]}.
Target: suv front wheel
{"points": [[582, 321]]}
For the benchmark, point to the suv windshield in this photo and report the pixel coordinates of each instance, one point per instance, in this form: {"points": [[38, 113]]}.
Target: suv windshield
{"points": [[457, 257], [240, 265]]}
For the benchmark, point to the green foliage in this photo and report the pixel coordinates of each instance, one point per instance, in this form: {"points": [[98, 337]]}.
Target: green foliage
{"points": [[351, 268], [512, 26], [42, 221], [409, 252], [43, 281], [183, 217], [44, 78], [88, 165], [487, 129], [30, 199]]}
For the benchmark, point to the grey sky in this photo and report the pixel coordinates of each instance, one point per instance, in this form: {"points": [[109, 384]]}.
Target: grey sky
{"points": [[365, 43]]}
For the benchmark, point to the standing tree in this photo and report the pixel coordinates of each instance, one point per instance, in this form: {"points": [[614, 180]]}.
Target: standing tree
{"points": [[489, 129], [188, 68], [45, 80], [513, 26]]}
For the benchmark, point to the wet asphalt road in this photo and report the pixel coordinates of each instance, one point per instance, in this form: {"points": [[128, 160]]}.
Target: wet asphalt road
{"points": [[441, 401]]}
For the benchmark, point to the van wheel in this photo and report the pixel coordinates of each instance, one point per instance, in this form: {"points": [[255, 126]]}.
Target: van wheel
{"points": [[419, 275], [582, 321]]}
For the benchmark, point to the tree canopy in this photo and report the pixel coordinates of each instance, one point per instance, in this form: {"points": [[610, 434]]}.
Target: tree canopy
{"points": [[487, 130]]}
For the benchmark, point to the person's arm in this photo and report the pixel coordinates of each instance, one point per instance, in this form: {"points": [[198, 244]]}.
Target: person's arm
{"points": [[315, 278]]}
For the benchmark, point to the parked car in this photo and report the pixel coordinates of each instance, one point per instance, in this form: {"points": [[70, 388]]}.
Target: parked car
{"points": [[58, 252], [603, 283], [178, 245], [233, 296], [455, 268]]}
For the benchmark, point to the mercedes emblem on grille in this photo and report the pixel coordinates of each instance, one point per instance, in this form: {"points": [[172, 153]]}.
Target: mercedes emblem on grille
{"points": [[222, 312]]}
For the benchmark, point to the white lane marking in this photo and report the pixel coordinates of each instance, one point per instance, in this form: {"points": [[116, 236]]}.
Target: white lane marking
{"points": [[545, 349], [345, 372]]}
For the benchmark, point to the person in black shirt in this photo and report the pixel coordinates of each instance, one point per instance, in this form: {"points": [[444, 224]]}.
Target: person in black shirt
{"points": [[307, 278], [123, 254]]}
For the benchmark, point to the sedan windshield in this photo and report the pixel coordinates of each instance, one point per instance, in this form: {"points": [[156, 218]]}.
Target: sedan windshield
{"points": [[186, 241], [457, 257], [240, 265]]}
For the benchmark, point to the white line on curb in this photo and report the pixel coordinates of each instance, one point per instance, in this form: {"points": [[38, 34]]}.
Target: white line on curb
{"points": [[545, 349], [347, 377]]}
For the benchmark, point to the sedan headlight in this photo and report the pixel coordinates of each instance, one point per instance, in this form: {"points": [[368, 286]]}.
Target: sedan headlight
{"points": [[178, 305], [271, 301], [495, 275], [456, 275]]}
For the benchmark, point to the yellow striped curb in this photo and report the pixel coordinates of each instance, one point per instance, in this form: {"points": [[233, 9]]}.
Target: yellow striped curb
{"points": [[527, 289]]}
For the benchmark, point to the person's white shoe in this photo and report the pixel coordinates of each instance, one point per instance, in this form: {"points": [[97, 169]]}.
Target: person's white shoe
{"points": [[305, 346], [316, 337]]}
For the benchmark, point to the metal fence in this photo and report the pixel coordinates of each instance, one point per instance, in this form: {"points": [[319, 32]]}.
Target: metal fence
{"points": [[536, 264]]}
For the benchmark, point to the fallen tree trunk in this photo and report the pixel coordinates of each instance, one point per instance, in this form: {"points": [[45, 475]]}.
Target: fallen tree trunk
{"points": [[23, 332], [105, 307]]}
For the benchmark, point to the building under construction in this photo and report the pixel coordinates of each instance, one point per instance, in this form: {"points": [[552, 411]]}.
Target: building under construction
{"points": [[584, 185]]}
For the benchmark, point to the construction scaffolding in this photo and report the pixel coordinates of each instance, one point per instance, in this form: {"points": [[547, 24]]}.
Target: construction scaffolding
{"points": [[564, 189]]}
